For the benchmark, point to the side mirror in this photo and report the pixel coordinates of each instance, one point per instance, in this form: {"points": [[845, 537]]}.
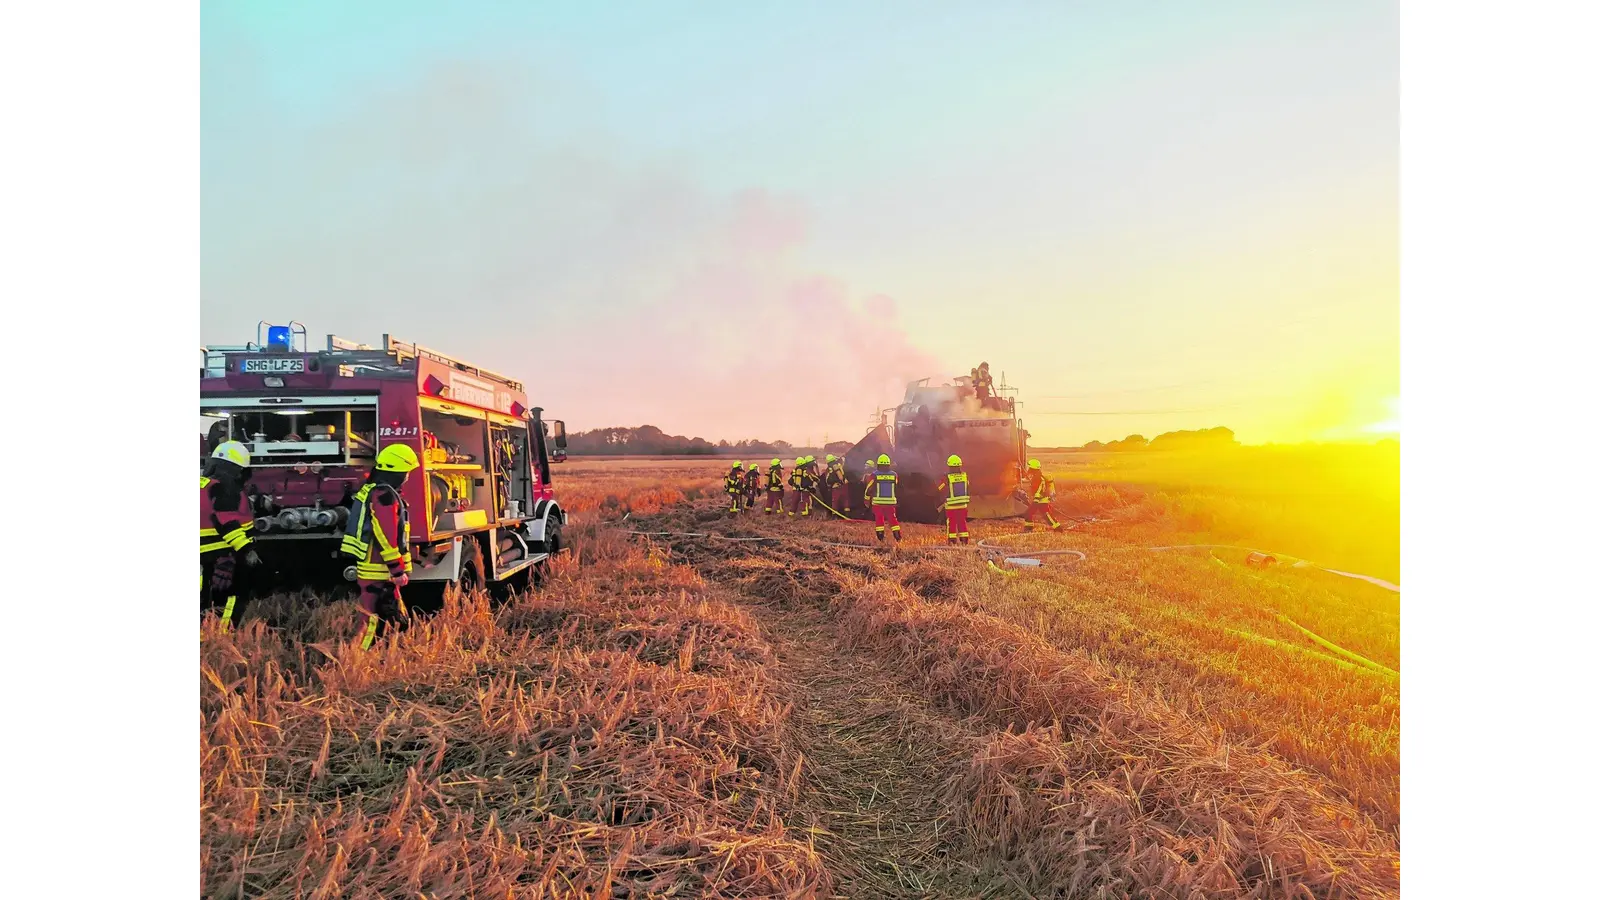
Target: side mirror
{"points": [[558, 428]]}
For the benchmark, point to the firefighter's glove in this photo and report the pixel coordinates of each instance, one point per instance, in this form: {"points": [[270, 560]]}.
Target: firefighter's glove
{"points": [[401, 581], [252, 559]]}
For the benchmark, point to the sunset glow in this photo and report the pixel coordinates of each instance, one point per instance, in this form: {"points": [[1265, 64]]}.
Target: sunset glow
{"points": [[764, 225]]}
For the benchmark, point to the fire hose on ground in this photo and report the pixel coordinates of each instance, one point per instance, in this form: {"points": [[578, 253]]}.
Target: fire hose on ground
{"points": [[1033, 558]]}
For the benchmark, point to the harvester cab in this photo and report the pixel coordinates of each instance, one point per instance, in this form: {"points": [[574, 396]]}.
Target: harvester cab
{"points": [[930, 424], [483, 509]]}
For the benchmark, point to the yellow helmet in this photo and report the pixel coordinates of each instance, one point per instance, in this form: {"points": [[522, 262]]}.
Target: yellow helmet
{"points": [[777, 462], [831, 457], [233, 452], [808, 460], [883, 459], [738, 465], [953, 461], [397, 458], [799, 460], [1033, 464]]}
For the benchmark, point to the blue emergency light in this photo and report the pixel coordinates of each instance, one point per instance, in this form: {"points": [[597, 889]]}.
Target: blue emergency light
{"points": [[279, 336]]}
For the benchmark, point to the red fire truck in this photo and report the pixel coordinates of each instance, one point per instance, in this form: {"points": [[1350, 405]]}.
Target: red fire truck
{"points": [[483, 511]]}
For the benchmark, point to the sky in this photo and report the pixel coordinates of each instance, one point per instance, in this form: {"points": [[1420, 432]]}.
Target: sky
{"points": [[754, 220]]}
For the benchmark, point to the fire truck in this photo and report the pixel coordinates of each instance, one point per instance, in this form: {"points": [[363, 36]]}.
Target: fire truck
{"points": [[483, 511]]}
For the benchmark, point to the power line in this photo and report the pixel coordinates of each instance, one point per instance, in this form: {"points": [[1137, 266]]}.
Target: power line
{"points": [[1128, 412], [1132, 390]]}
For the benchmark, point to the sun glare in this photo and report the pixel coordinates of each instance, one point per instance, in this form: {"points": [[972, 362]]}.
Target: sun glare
{"points": [[1391, 425]]}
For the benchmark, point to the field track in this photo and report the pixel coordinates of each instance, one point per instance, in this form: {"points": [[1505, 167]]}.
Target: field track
{"points": [[919, 767], [695, 704]]}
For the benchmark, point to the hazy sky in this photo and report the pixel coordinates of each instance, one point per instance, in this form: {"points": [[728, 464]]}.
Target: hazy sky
{"points": [[752, 220]]}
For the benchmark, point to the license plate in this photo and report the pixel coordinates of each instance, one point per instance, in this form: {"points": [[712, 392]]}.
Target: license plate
{"points": [[272, 365]]}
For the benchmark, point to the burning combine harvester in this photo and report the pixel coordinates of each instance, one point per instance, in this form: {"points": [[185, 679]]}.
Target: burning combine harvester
{"points": [[930, 424]]}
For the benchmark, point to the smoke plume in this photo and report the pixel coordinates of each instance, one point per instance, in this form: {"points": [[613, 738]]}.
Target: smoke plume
{"points": [[478, 211]]}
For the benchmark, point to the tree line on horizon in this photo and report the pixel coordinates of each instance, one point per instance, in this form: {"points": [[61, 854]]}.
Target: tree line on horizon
{"points": [[648, 440], [1201, 439]]}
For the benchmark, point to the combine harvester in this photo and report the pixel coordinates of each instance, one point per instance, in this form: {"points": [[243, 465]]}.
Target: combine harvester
{"points": [[930, 424], [483, 511]]}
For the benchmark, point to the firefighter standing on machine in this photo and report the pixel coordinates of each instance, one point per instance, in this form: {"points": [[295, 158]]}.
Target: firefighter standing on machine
{"points": [[752, 485], [378, 535], [984, 384], [881, 494], [775, 487], [225, 525], [955, 502], [837, 484], [733, 483], [1041, 490]]}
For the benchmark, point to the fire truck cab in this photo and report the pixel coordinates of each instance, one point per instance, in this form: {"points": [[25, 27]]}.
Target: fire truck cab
{"points": [[482, 507]]}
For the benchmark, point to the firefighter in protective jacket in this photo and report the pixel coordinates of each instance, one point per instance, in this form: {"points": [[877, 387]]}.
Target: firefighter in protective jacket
{"points": [[378, 535], [225, 525], [752, 485], [956, 498], [882, 496], [838, 486], [809, 481], [733, 484], [1041, 493], [797, 480], [775, 486]]}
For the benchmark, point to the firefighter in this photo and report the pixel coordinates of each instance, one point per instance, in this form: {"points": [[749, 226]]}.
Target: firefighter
{"points": [[797, 480], [225, 525], [775, 486], [752, 485], [1041, 493], [882, 496], [838, 486], [733, 483], [984, 384], [813, 481], [378, 535], [955, 500]]}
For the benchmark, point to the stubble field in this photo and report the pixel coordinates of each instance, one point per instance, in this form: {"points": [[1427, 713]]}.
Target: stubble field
{"points": [[753, 706]]}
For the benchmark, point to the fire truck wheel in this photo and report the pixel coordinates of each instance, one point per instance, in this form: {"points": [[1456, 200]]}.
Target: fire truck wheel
{"points": [[554, 541], [471, 577]]}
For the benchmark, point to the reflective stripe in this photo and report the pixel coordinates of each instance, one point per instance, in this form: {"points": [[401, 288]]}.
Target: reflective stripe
{"points": [[227, 611], [213, 546], [375, 571], [372, 631], [362, 531], [957, 498], [355, 541]]}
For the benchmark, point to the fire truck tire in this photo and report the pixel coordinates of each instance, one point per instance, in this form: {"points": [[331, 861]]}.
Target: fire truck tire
{"points": [[554, 541], [471, 577]]}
